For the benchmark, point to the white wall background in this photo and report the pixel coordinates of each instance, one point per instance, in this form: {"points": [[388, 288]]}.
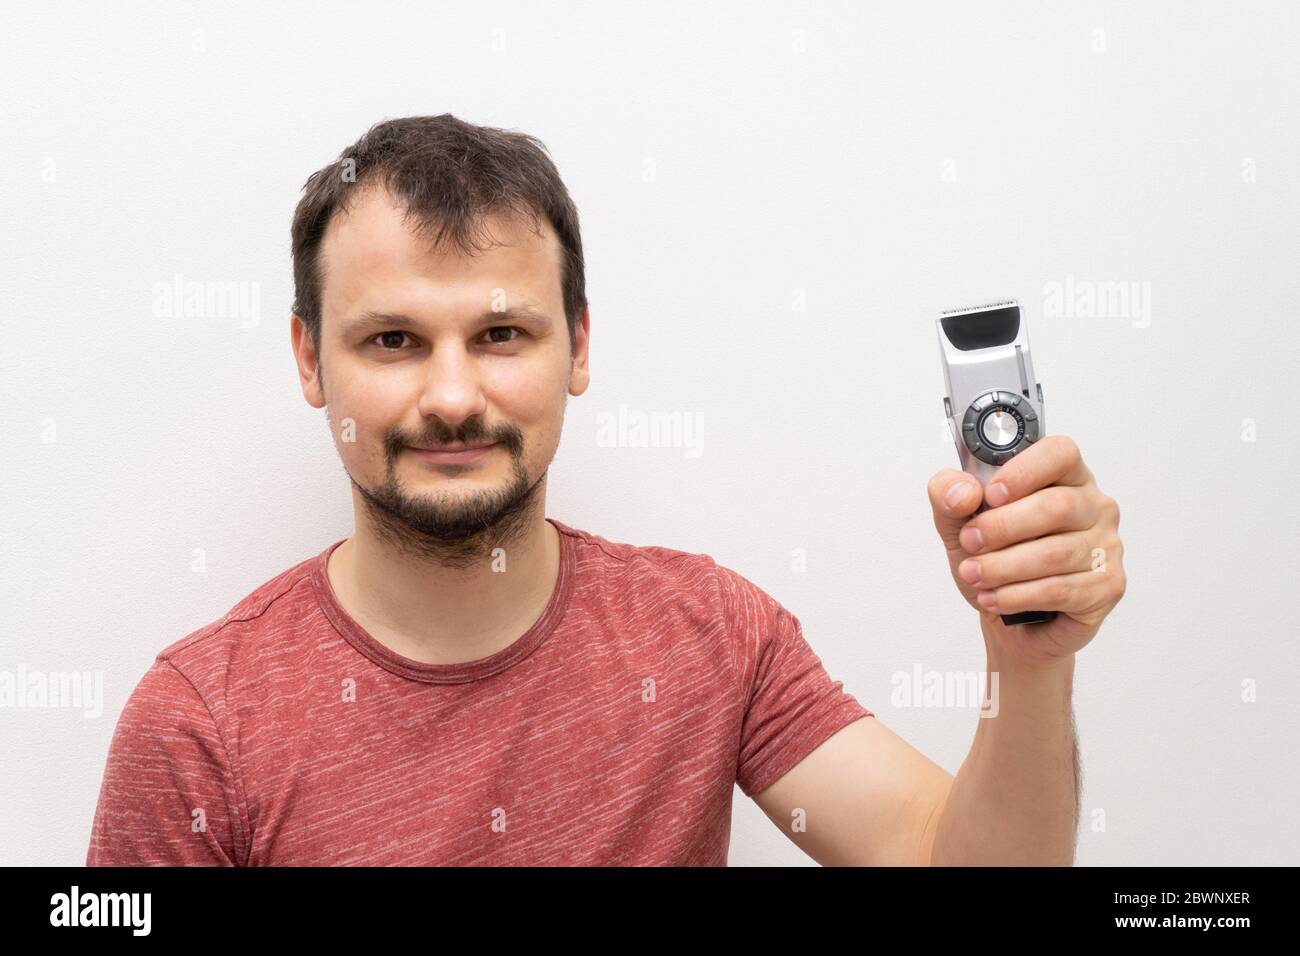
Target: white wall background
{"points": [[883, 161]]}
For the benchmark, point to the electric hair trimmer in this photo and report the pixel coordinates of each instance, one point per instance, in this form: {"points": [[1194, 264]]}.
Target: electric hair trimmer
{"points": [[994, 405]]}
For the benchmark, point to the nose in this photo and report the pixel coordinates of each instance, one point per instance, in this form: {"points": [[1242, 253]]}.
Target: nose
{"points": [[452, 387]]}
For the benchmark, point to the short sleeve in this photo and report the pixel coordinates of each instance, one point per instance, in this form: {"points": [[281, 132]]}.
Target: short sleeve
{"points": [[168, 787], [791, 704]]}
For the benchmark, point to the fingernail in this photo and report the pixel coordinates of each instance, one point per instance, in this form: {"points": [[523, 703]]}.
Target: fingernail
{"points": [[969, 571], [997, 493], [987, 598], [971, 540], [957, 493]]}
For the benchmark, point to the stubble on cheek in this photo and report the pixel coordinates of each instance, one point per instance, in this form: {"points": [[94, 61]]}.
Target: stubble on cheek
{"points": [[359, 446]]}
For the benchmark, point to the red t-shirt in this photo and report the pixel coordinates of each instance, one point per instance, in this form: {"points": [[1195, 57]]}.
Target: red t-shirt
{"points": [[611, 733]]}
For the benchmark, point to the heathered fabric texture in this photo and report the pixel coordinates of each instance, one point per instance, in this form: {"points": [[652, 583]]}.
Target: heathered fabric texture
{"points": [[611, 733]]}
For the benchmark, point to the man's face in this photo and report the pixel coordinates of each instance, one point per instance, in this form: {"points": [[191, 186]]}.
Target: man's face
{"points": [[421, 349]]}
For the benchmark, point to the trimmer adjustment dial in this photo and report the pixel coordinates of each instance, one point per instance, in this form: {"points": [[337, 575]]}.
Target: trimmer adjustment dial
{"points": [[998, 426]]}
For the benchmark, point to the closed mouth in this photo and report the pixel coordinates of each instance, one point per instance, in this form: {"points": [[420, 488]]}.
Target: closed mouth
{"points": [[486, 444]]}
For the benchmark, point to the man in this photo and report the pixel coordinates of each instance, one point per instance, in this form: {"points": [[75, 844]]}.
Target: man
{"points": [[466, 681]]}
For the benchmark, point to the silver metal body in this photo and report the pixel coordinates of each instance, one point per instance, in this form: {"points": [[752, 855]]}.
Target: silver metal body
{"points": [[994, 405]]}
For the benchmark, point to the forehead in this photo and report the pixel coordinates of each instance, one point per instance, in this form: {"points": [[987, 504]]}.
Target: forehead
{"points": [[370, 256]]}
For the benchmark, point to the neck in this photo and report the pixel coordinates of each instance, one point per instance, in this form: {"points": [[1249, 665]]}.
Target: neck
{"points": [[477, 599]]}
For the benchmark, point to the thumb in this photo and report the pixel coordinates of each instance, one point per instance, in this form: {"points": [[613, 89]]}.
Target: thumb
{"points": [[954, 496]]}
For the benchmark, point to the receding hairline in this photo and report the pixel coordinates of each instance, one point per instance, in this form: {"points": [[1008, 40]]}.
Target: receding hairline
{"points": [[434, 227]]}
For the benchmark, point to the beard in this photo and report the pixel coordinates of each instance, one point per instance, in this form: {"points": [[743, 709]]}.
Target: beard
{"points": [[452, 529]]}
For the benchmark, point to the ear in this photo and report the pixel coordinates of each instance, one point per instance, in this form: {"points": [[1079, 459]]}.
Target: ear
{"points": [[579, 373], [304, 354]]}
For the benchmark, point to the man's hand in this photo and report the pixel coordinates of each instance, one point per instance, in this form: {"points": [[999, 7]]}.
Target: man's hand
{"points": [[1049, 541]]}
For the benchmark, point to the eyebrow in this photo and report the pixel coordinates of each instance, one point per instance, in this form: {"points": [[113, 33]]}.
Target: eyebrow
{"points": [[367, 321]]}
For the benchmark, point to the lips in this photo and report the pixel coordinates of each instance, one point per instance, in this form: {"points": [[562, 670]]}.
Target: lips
{"points": [[454, 448], [454, 455]]}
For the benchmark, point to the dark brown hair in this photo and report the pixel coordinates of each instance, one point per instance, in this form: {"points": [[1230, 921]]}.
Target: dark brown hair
{"points": [[450, 175]]}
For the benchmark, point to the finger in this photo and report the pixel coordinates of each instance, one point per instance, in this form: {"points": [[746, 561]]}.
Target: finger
{"points": [[954, 496], [1047, 511], [1053, 460], [1053, 554], [1075, 593]]}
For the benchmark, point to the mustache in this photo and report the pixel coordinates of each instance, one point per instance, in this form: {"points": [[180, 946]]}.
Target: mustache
{"points": [[470, 432]]}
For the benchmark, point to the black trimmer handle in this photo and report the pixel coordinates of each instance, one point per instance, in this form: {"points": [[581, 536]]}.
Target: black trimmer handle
{"points": [[1023, 617]]}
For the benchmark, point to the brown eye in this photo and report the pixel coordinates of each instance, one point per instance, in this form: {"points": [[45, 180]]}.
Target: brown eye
{"points": [[502, 328], [387, 341]]}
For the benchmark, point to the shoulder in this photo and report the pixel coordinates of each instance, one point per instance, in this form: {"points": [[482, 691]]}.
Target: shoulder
{"points": [[599, 559], [246, 638], [692, 578]]}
